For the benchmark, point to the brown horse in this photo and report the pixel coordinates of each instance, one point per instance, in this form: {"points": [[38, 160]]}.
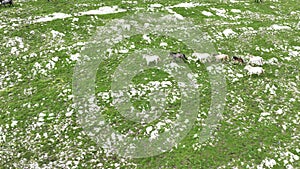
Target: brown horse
{"points": [[177, 55], [237, 59]]}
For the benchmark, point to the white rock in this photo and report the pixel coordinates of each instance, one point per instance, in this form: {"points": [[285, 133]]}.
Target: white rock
{"points": [[206, 13], [163, 44], [14, 123], [228, 32], [186, 5], [103, 10], [265, 114], [279, 27], [236, 11], [148, 129], [279, 111]]}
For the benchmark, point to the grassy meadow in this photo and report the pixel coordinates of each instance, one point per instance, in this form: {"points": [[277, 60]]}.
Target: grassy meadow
{"points": [[260, 124]]}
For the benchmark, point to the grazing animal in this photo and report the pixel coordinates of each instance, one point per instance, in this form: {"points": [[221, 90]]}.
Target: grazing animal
{"points": [[237, 59], [221, 57], [4, 2], [256, 60], [175, 55], [258, 1], [151, 58], [254, 70], [202, 57]]}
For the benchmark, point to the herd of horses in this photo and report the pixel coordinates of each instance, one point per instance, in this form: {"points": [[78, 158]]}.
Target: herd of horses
{"points": [[219, 57]]}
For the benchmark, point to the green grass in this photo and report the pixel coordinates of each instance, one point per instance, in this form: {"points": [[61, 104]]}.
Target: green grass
{"points": [[243, 136]]}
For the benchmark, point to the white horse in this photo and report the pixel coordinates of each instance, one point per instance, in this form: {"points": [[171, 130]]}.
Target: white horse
{"points": [[256, 60], [254, 70], [151, 58], [202, 57]]}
